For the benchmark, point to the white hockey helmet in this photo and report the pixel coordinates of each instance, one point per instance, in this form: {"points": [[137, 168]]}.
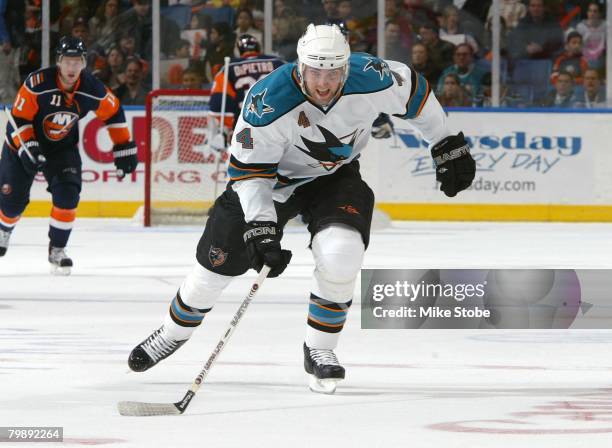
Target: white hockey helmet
{"points": [[323, 47]]}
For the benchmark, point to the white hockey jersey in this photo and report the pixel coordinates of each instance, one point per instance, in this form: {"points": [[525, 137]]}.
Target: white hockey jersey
{"points": [[282, 140]]}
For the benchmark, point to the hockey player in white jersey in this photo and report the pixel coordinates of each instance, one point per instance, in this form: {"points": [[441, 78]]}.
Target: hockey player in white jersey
{"points": [[295, 150]]}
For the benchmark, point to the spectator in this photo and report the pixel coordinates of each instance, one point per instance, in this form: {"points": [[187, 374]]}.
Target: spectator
{"points": [[485, 99], [391, 9], [30, 53], [137, 22], [593, 31], [452, 31], [287, 27], [561, 97], [192, 79], [469, 75], [197, 34], [440, 51], [488, 39], [331, 9], [103, 26], [345, 10], [593, 95], [422, 64], [132, 92], [127, 44], [512, 11], [537, 36], [172, 69], [113, 73], [394, 49], [245, 22], [259, 19], [12, 36], [452, 94], [571, 60], [416, 14], [220, 44], [224, 11]]}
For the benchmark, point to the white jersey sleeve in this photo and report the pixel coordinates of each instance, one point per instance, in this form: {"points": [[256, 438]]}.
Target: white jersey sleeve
{"points": [[412, 99], [255, 153]]}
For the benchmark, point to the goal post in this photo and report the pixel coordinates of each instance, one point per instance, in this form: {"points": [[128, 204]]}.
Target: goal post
{"points": [[181, 168]]}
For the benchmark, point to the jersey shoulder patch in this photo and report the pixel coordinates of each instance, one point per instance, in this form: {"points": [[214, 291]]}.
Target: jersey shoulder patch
{"points": [[367, 74], [42, 80], [272, 97]]}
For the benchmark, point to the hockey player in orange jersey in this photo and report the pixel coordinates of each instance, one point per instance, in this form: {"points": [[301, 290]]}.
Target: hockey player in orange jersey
{"points": [[42, 135]]}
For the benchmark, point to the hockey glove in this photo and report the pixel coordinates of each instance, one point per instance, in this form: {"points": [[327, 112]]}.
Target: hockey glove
{"points": [[382, 127], [262, 239], [31, 157], [455, 167], [126, 158]]}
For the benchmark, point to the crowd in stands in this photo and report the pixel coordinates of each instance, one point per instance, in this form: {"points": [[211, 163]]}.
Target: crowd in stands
{"points": [[553, 51]]}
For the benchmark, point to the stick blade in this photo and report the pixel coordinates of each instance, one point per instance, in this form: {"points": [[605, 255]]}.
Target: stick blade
{"points": [[138, 409]]}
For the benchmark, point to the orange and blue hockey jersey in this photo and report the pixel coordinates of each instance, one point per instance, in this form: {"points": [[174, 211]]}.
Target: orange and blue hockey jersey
{"points": [[243, 73], [50, 115]]}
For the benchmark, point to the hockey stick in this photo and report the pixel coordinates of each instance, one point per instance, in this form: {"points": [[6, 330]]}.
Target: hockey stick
{"points": [[140, 409], [226, 62], [41, 158]]}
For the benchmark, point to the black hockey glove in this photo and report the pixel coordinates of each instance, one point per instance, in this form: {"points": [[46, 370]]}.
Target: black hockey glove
{"points": [[382, 127], [262, 239], [126, 158], [31, 157], [455, 168]]}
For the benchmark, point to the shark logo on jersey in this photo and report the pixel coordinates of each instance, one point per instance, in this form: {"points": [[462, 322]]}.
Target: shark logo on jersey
{"points": [[379, 66], [258, 104], [332, 151]]}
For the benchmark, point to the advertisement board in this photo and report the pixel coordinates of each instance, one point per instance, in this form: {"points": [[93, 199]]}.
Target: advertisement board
{"points": [[531, 166]]}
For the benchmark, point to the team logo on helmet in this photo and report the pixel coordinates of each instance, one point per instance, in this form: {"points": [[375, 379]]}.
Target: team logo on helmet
{"points": [[332, 151], [216, 256], [258, 104], [6, 189], [59, 124], [379, 66]]}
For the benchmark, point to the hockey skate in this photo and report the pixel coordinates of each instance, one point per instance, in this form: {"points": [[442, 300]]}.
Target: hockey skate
{"points": [[61, 263], [324, 369], [152, 350], [4, 241]]}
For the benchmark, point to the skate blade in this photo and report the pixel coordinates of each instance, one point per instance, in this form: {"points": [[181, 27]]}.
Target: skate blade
{"points": [[60, 270], [323, 386]]}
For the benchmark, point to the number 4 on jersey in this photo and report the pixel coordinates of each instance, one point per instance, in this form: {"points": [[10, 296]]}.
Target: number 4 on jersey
{"points": [[245, 138]]}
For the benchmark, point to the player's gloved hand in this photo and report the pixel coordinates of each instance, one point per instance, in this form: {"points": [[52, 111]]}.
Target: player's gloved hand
{"points": [[31, 157], [262, 239], [455, 167], [126, 158], [382, 127]]}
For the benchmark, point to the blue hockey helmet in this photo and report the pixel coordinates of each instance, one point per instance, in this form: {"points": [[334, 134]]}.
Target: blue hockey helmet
{"points": [[71, 46], [247, 44]]}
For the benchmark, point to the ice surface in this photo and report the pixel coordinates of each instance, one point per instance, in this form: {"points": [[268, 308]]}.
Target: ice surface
{"points": [[64, 342]]}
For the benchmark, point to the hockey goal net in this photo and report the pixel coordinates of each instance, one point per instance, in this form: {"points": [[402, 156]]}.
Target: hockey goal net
{"points": [[183, 174]]}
